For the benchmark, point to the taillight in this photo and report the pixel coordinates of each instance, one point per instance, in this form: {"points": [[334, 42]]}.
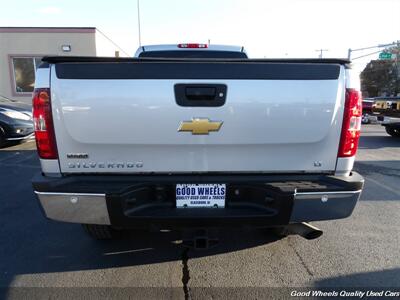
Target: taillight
{"points": [[192, 46], [351, 123], [43, 124]]}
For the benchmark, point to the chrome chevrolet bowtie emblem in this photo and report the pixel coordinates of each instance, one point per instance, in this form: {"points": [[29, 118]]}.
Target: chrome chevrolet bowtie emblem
{"points": [[199, 126]]}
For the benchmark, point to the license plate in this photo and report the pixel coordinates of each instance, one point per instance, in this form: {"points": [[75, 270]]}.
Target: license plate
{"points": [[200, 195]]}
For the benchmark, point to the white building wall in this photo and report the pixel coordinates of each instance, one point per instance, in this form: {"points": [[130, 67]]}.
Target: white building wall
{"points": [[38, 42]]}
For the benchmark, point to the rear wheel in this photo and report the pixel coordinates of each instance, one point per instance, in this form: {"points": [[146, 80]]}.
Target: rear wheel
{"points": [[101, 232], [392, 131]]}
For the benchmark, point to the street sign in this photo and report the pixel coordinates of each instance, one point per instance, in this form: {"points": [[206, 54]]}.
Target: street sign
{"points": [[385, 56]]}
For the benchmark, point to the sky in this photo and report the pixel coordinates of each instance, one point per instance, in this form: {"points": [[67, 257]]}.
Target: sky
{"points": [[279, 28]]}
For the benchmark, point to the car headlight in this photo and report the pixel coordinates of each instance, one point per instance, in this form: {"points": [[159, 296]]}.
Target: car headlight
{"points": [[13, 114]]}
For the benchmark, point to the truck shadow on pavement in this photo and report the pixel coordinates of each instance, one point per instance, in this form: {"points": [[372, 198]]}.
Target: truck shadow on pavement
{"points": [[31, 244], [369, 280], [43, 246], [381, 179]]}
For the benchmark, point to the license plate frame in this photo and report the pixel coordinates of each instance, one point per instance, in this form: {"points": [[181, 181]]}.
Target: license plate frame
{"points": [[200, 195]]}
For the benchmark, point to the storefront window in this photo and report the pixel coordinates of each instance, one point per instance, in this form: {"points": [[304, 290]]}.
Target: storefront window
{"points": [[24, 73]]}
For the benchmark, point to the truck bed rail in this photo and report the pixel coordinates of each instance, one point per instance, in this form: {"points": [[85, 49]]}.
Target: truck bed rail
{"points": [[66, 59]]}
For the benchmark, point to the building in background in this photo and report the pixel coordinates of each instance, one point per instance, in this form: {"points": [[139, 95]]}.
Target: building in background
{"points": [[21, 50]]}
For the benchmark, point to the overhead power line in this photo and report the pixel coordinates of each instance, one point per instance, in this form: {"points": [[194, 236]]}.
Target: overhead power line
{"points": [[376, 52], [115, 44], [371, 47]]}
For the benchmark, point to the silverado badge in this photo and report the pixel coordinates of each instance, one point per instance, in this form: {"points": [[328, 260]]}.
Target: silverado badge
{"points": [[200, 126]]}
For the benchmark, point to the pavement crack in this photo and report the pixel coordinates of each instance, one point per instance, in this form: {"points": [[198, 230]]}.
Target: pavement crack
{"points": [[303, 263], [185, 273]]}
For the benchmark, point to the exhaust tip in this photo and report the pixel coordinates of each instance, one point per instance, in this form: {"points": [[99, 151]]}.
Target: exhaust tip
{"points": [[313, 234]]}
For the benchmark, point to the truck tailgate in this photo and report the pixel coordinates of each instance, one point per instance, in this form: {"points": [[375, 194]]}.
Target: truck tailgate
{"points": [[123, 116]]}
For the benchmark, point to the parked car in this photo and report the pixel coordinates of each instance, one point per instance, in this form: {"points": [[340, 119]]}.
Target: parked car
{"points": [[367, 110], [162, 142], [16, 122]]}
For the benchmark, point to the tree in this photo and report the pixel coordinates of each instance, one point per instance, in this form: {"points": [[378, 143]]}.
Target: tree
{"points": [[381, 78]]}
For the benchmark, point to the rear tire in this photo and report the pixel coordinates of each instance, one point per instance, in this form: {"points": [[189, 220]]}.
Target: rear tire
{"points": [[101, 232], [394, 132]]}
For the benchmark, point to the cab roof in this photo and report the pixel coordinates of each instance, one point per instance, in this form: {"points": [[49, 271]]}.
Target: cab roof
{"points": [[182, 47]]}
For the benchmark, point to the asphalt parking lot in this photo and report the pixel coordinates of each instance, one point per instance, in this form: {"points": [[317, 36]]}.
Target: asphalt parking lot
{"points": [[360, 251]]}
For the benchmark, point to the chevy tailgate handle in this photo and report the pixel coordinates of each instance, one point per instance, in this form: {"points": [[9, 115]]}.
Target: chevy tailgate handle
{"points": [[200, 94]]}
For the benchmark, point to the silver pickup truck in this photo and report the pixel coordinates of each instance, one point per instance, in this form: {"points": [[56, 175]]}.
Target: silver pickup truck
{"points": [[193, 136]]}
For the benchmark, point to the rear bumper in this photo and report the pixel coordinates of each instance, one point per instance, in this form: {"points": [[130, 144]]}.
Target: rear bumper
{"points": [[149, 201], [387, 120], [394, 125], [22, 138]]}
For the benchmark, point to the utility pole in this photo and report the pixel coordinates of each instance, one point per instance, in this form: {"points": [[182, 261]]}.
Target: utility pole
{"points": [[138, 17], [397, 53], [321, 51]]}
